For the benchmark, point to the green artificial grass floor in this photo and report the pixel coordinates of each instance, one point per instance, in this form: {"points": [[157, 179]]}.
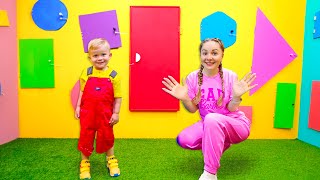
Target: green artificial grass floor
{"points": [[47, 159]]}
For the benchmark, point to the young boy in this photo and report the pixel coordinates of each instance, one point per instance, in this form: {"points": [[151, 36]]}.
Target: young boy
{"points": [[98, 108]]}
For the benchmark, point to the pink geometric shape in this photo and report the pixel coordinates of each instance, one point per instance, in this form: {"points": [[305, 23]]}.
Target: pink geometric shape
{"points": [[271, 52], [247, 111], [74, 94]]}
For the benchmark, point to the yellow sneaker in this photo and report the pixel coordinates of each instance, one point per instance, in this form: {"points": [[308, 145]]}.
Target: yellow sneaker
{"points": [[85, 169], [112, 165]]}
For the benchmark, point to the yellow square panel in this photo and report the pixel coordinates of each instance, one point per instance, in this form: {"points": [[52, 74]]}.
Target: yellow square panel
{"points": [[4, 20]]}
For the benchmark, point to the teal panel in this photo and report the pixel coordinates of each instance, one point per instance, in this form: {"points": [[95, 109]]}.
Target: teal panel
{"points": [[219, 25], [36, 63], [310, 72], [284, 109]]}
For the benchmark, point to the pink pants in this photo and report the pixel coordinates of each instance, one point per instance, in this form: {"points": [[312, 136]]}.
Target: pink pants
{"points": [[213, 135]]}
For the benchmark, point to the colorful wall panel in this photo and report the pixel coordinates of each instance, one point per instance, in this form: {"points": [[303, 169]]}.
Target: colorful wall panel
{"points": [[9, 114], [310, 73], [156, 39], [219, 25], [316, 29], [100, 25], [314, 114], [49, 15], [54, 115], [36, 63], [4, 20], [271, 52], [285, 103]]}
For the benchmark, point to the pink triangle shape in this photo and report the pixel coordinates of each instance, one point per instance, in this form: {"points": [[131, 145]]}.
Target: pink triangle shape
{"points": [[75, 94], [271, 52]]}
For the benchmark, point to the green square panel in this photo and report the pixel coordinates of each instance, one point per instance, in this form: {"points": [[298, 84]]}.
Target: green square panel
{"points": [[285, 102], [36, 63]]}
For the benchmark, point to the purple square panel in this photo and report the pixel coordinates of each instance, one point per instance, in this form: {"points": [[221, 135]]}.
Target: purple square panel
{"points": [[100, 25]]}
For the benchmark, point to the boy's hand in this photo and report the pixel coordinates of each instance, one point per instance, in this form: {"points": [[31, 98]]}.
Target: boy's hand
{"points": [[114, 119], [77, 112]]}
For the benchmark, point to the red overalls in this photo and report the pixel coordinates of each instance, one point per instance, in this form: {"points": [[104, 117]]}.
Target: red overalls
{"points": [[95, 112]]}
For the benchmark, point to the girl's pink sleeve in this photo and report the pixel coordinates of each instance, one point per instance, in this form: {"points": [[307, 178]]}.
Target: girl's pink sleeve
{"points": [[233, 77], [192, 84]]}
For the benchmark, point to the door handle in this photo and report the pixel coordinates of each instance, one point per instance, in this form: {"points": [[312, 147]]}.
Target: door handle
{"points": [[137, 59]]}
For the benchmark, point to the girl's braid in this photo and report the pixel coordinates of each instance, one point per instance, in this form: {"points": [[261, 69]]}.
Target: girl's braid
{"points": [[222, 84], [197, 98]]}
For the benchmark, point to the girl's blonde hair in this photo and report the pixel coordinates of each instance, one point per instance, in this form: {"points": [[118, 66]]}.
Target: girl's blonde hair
{"points": [[197, 99], [97, 43]]}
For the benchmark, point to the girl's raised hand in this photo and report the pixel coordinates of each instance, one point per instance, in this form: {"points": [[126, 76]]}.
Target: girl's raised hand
{"points": [[174, 88], [244, 85]]}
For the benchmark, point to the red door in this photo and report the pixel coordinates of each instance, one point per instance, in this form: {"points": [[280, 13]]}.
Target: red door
{"points": [[154, 54]]}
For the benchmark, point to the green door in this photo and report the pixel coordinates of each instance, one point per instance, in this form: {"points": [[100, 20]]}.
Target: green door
{"points": [[36, 63], [285, 102]]}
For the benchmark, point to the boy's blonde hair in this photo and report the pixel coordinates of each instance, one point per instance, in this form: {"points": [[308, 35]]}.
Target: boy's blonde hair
{"points": [[97, 43]]}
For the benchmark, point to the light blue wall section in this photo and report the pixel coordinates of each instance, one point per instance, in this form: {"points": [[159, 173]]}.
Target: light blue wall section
{"points": [[310, 72]]}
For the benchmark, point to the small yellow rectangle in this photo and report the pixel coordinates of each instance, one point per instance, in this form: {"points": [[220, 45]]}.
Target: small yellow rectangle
{"points": [[4, 20]]}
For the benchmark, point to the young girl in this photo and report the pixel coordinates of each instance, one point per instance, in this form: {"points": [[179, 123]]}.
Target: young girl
{"points": [[98, 108], [216, 93]]}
